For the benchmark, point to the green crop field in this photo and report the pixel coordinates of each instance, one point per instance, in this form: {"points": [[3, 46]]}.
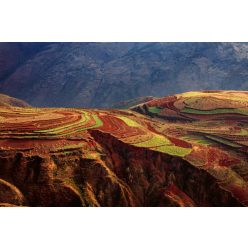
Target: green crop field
{"points": [[156, 140], [154, 110], [173, 150], [215, 111]]}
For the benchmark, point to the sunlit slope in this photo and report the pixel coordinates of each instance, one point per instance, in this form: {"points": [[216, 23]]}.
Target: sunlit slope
{"points": [[117, 157], [11, 101], [215, 123], [198, 105], [49, 124]]}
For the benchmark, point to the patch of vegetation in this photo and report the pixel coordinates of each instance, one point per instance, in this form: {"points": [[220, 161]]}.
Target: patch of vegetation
{"points": [[70, 147], [173, 150], [98, 123], [215, 111], [223, 141], [84, 119], [243, 132], [156, 140], [57, 131], [73, 146], [129, 122], [154, 110], [67, 152], [197, 139]]}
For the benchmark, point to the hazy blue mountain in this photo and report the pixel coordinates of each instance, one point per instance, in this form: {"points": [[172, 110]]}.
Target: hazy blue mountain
{"points": [[102, 74]]}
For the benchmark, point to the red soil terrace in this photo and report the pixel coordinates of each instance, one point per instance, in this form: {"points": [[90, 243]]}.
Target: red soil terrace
{"points": [[138, 157]]}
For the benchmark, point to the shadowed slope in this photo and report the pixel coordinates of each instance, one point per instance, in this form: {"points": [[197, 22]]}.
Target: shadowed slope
{"points": [[90, 74]]}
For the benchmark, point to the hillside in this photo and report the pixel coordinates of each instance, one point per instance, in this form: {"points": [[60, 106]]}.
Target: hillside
{"points": [[132, 102], [184, 150], [11, 101], [103, 74]]}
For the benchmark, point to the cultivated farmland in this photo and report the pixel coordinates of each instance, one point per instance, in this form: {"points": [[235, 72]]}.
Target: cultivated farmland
{"points": [[188, 149]]}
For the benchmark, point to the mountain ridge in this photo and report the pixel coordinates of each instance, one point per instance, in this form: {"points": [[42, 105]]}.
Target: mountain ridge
{"points": [[103, 74]]}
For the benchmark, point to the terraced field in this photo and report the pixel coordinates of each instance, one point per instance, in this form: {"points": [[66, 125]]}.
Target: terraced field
{"points": [[184, 150]]}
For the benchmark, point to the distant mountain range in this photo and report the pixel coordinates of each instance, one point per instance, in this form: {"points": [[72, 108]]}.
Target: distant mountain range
{"points": [[103, 74]]}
